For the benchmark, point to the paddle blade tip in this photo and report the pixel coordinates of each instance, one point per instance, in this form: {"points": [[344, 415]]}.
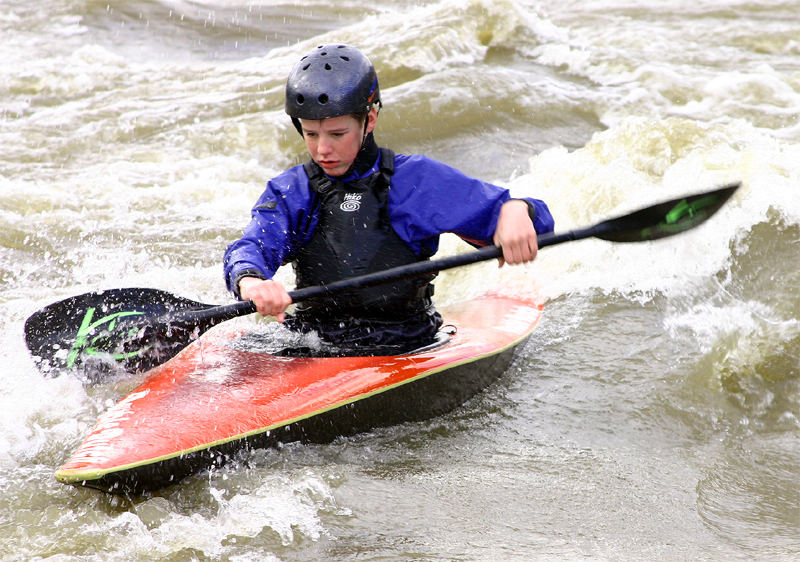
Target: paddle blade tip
{"points": [[668, 218]]}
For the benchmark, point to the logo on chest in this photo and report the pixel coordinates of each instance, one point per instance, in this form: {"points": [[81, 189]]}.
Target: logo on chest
{"points": [[351, 203]]}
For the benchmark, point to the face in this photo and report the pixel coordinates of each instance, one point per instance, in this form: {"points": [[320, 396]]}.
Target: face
{"points": [[334, 143]]}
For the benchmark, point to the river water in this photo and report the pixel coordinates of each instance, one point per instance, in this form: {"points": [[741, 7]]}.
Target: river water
{"points": [[654, 414]]}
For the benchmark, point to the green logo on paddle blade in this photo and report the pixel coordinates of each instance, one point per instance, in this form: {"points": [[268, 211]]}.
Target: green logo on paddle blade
{"points": [[89, 342], [684, 215]]}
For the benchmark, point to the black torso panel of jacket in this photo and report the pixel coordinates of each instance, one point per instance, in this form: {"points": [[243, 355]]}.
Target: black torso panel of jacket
{"points": [[354, 237]]}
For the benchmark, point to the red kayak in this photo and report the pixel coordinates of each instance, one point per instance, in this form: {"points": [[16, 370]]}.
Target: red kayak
{"points": [[215, 397]]}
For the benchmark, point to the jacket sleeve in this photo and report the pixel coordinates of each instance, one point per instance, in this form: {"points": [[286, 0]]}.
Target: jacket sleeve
{"points": [[281, 221], [430, 198]]}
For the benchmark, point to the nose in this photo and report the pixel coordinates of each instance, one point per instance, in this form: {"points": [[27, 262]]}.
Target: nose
{"points": [[324, 145]]}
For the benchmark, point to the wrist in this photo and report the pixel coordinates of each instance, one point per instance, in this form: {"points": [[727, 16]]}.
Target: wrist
{"points": [[246, 274], [528, 206]]}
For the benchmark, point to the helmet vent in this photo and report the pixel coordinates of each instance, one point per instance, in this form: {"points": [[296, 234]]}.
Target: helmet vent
{"points": [[301, 99], [345, 59], [323, 99], [306, 66], [327, 66]]}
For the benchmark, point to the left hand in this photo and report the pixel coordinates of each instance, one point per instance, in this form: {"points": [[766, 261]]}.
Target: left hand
{"points": [[515, 233]]}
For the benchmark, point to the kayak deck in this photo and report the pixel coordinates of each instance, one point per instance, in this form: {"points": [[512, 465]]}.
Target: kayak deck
{"points": [[213, 399]]}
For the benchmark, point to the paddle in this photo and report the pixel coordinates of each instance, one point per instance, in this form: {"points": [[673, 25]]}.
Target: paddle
{"points": [[140, 328]]}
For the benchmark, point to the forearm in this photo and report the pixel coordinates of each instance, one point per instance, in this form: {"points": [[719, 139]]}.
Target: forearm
{"points": [[244, 259]]}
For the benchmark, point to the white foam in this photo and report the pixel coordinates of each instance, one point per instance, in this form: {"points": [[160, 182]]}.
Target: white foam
{"points": [[642, 162]]}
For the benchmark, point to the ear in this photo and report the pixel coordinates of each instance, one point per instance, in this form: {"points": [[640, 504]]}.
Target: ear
{"points": [[372, 119]]}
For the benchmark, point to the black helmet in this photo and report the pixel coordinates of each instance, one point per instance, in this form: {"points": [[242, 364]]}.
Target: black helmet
{"points": [[332, 80]]}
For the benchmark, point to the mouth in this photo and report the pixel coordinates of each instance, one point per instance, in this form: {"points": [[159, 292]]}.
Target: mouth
{"points": [[329, 165]]}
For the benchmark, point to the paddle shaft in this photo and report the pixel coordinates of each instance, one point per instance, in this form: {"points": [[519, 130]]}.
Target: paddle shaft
{"points": [[424, 268], [418, 269]]}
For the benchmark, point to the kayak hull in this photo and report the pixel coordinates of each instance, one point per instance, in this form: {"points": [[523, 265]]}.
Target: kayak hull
{"points": [[212, 399]]}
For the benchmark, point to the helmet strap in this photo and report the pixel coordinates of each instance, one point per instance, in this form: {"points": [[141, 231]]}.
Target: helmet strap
{"points": [[297, 125], [364, 135], [366, 120]]}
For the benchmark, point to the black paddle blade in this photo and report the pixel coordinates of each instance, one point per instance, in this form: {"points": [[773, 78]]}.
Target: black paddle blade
{"points": [[665, 219], [111, 327]]}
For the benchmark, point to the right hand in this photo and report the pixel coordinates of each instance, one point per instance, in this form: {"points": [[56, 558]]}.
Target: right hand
{"points": [[270, 297], [515, 233]]}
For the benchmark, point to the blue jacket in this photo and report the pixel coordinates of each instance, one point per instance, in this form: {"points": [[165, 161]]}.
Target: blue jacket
{"points": [[427, 198]]}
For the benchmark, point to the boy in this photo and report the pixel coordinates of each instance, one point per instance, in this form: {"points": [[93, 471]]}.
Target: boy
{"points": [[355, 208]]}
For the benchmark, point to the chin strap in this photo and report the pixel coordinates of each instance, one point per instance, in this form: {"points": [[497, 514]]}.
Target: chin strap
{"points": [[297, 125], [366, 121]]}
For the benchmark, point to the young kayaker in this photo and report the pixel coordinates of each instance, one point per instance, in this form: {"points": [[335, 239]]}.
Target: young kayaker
{"points": [[355, 208]]}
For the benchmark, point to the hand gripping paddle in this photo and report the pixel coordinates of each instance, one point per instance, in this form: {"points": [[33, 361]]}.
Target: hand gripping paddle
{"points": [[140, 328]]}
